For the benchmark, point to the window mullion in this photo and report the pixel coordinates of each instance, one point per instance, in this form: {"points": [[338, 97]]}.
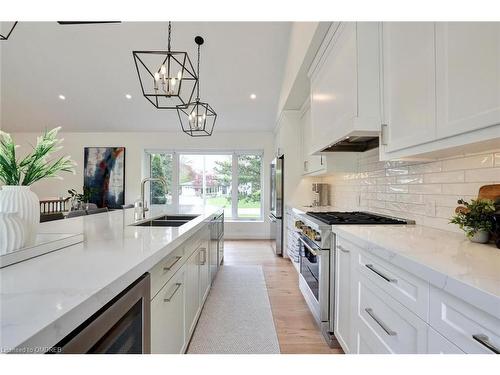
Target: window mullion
{"points": [[175, 180], [234, 187]]}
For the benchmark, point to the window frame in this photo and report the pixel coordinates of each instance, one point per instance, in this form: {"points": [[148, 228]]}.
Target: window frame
{"points": [[176, 153]]}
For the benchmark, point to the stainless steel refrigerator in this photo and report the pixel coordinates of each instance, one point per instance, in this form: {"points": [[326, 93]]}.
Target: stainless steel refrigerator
{"points": [[276, 203]]}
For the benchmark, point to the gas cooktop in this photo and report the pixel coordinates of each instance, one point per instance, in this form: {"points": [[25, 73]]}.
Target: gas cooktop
{"points": [[356, 217]]}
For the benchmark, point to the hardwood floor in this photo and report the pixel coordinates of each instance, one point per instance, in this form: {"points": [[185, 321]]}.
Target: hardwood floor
{"points": [[296, 328]]}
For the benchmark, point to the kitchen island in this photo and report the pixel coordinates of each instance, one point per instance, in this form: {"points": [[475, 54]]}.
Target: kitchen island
{"points": [[45, 298]]}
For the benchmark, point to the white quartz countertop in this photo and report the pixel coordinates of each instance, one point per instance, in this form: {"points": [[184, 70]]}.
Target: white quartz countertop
{"points": [[447, 260], [45, 298]]}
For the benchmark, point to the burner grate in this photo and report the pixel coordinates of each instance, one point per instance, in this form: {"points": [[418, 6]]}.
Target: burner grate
{"points": [[357, 218]]}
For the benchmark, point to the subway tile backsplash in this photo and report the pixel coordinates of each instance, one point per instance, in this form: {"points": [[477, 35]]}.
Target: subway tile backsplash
{"points": [[426, 192]]}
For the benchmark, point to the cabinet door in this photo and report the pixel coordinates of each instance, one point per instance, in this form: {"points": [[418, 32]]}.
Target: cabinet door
{"points": [[192, 278], [334, 88], [167, 317], [409, 95], [468, 76], [343, 310], [311, 163]]}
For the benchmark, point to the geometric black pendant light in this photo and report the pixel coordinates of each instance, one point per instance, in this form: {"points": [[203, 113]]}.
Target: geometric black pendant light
{"points": [[7, 31], [197, 118], [167, 78]]}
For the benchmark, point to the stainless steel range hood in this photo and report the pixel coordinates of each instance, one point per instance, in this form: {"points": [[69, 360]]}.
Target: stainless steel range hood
{"points": [[354, 144]]}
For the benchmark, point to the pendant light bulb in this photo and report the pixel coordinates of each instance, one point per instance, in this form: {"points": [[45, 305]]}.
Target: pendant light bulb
{"points": [[163, 70]]}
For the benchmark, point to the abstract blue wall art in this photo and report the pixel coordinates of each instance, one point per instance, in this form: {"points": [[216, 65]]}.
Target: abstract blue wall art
{"points": [[104, 175]]}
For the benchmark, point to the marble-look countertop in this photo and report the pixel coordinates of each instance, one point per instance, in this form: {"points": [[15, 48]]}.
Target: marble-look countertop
{"points": [[447, 260], [45, 298]]}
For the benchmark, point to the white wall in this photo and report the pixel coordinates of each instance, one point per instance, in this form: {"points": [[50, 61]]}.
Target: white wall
{"points": [[136, 143]]}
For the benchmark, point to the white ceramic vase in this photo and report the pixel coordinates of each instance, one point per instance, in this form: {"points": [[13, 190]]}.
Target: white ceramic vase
{"points": [[12, 232], [22, 200]]}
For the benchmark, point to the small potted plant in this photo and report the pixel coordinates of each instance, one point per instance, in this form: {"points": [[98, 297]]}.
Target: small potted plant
{"points": [[17, 176], [80, 201], [475, 219]]}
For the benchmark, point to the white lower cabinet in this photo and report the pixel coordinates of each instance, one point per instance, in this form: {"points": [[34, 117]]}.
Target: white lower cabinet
{"points": [[344, 313], [168, 335], [384, 323], [383, 308], [176, 307], [471, 329]]}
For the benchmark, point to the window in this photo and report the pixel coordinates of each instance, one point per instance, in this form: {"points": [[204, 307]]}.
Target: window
{"points": [[161, 165], [249, 186], [230, 180]]}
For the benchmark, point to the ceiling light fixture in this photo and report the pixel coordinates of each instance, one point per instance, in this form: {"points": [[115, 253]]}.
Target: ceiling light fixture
{"points": [[128, 96], [62, 97], [6, 36], [167, 78], [253, 96], [197, 118]]}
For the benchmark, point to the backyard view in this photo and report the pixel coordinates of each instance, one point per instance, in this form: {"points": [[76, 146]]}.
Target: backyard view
{"points": [[207, 180]]}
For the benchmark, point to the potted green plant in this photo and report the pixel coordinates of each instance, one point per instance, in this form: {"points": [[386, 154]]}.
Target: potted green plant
{"points": [[475, 219], [80, 201], [17, 175]]}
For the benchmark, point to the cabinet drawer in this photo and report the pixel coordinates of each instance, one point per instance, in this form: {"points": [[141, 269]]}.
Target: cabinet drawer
{"points": [[437, 344], [471, 329], [406, 288], [384, 321], [166, 268]]}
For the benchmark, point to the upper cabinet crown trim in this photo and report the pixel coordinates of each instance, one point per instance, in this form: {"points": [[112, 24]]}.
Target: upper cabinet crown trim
{"points": [[323, 50]]}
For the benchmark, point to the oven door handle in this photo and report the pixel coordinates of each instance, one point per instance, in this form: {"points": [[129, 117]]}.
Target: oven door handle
{"points": [[313, 252]]}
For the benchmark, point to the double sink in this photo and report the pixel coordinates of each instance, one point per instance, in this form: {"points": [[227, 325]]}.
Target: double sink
{"points": [[167, 221]]}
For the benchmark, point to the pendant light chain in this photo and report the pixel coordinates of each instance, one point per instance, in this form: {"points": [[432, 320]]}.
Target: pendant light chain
{"points": [[169, 33], [198, 73]]}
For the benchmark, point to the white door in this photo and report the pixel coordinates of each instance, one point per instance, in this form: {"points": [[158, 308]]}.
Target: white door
{"points": [[409, 96], [167, 317], [468, 76], [343, 310], [192, 291]]}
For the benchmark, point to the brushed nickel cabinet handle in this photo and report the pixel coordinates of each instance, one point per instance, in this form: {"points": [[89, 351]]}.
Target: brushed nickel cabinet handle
{"points": [[485, 341], [177, 286], [204, 252], [382, 325], [372, 268], [343, 249], [169, 267]]}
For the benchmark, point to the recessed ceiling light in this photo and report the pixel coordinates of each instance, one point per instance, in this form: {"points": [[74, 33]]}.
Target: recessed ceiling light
{"points": [[62, 97], [128, 96], [253, 96]]}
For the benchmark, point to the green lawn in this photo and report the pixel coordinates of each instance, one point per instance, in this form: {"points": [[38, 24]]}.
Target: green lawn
{"points": [[223, 202]]}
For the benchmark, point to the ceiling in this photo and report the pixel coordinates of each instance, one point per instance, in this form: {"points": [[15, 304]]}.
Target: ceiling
{"points": [[93, 67]]}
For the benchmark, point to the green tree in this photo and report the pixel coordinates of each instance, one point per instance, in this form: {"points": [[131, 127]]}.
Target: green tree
{"points": [[161, 166]]}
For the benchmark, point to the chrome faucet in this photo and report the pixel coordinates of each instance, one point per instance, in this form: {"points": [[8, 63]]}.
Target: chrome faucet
{"points": [[143, 183]]}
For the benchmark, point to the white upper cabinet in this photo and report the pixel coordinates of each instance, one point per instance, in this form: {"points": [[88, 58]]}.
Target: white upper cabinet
{"points": [[409, 96], [345, 87], [468, 76], [311, 163]]}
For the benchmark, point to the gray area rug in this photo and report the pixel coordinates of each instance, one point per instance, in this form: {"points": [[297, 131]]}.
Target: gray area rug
{"points": [[237, 317]]}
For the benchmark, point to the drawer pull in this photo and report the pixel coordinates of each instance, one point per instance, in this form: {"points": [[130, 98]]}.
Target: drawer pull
{"points": [[343, 249], [204, 252], [485, 341], [177, 286], [386, 278], [168, 268], [382, 325]]}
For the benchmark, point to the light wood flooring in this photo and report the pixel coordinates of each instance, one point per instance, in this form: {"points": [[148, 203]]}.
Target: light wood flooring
{"points": [[297, 330]]}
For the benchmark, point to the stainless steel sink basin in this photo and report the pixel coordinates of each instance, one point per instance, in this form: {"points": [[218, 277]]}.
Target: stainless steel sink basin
{"points": [[167, 221], [162, 223], [177, 217]]}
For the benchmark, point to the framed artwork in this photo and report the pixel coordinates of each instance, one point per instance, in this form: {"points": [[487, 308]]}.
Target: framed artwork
{"points": [[104, 175]]}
